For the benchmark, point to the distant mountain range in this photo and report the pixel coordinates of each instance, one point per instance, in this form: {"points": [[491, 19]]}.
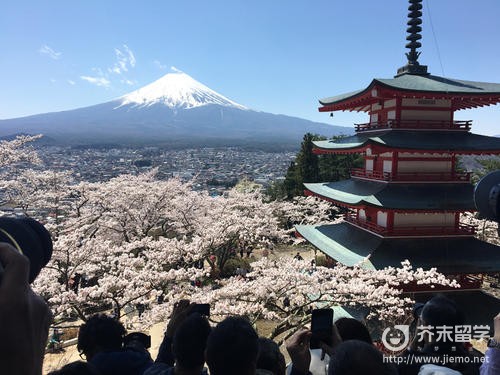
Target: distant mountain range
{"points": [[176, 110]]}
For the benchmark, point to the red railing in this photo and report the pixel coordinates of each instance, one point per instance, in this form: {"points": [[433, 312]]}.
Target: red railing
{"points": [[376, 175], [431, 176], [465, 281], [370, 225], [415, 124], [463, 229], [410, 176], [415, 230]]}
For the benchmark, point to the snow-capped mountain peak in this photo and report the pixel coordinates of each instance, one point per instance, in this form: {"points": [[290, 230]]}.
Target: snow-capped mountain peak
{"points": [[177, 90]]}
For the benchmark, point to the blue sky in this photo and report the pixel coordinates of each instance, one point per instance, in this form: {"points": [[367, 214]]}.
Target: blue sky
{"points": [[270, 55]]}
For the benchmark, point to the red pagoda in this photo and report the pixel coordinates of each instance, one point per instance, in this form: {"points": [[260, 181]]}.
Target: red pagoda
{"points": [[407, 200]]}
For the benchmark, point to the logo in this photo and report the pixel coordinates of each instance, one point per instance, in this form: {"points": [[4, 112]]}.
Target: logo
{"points": [[396, 338]]}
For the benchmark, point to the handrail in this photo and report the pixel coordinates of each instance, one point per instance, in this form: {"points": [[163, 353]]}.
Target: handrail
{"points": [[466, 281], [410, 176], [415, 124], [462, 229]]}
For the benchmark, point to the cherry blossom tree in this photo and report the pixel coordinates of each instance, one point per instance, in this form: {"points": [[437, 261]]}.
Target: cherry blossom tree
{"points": [[284, 290], [45, 194], [129, 239], [138, 240], [18, 150], [486, 230]]}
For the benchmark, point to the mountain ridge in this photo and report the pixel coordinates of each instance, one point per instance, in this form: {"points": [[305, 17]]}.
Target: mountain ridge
{"points": [[173, 108]]}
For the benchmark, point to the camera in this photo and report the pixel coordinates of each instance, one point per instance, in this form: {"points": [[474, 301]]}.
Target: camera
{"points": [[30, 238], [487, 196]]}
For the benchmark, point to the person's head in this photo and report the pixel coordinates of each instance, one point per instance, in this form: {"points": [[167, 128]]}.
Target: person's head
{"points": [[270, 358], [232, 347], [189, 342], [441, 311], [356, 357], [100, 333], [352, 329], [76, 368]]}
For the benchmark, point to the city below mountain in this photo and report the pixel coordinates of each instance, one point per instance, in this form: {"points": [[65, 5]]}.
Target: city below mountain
{"points": [[174, 110]]}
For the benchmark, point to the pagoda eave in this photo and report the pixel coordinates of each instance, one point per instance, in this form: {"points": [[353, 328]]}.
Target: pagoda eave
{"points": [[354, 193], [463, 143], [353, 246], [362, 150], [463, 94], [363, 205]]}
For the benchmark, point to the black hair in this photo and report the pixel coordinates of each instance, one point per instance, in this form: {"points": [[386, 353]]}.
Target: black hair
{"points": [[352, 329], [356, 357], [232, 347], [190, 341], [270, 358], [100, 333], [76, 368], [441, 311]]}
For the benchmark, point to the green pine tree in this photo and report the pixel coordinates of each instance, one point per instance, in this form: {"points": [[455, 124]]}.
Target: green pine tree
{"points": [[309, 167]]}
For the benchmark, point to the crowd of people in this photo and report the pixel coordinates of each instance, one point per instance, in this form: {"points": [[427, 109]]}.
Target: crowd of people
{"points": [[191, 346]]}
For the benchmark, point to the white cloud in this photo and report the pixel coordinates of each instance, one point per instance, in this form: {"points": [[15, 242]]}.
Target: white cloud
{"points": [[125, 59], [174, 69], [159, 65], [131, 57], [53, 80], [46, 50], [98, 81], [128, 82], [71, 82]]}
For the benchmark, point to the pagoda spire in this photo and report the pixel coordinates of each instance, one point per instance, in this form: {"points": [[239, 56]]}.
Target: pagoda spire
{"points": [[413, 30]]}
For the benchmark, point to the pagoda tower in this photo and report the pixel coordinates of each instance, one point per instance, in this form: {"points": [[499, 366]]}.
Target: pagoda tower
{"points": [[406, 202]]}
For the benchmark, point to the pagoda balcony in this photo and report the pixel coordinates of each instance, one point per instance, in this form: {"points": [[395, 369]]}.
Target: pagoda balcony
{"points": [[414, 124], [466, 281], [411, 176], [412, 231]]}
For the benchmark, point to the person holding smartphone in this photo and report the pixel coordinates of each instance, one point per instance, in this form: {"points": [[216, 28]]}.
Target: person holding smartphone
{"points": [[322, 335]]}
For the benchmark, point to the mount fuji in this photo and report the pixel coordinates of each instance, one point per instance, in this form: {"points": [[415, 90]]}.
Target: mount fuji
{"points": [[174, 110]]}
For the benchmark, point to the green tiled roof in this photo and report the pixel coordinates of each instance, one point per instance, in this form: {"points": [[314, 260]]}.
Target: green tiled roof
{"points": [[351, 246], [429, 83], [440, 84], [397, 196], [411, 140], [337, 242]]}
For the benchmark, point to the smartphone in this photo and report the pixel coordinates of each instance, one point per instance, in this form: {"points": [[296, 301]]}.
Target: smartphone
{"points": [[321, 327], [202, 309]]}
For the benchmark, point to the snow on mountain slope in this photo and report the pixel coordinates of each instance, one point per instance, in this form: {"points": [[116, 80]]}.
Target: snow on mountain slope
{"points": [[177, 90]]}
